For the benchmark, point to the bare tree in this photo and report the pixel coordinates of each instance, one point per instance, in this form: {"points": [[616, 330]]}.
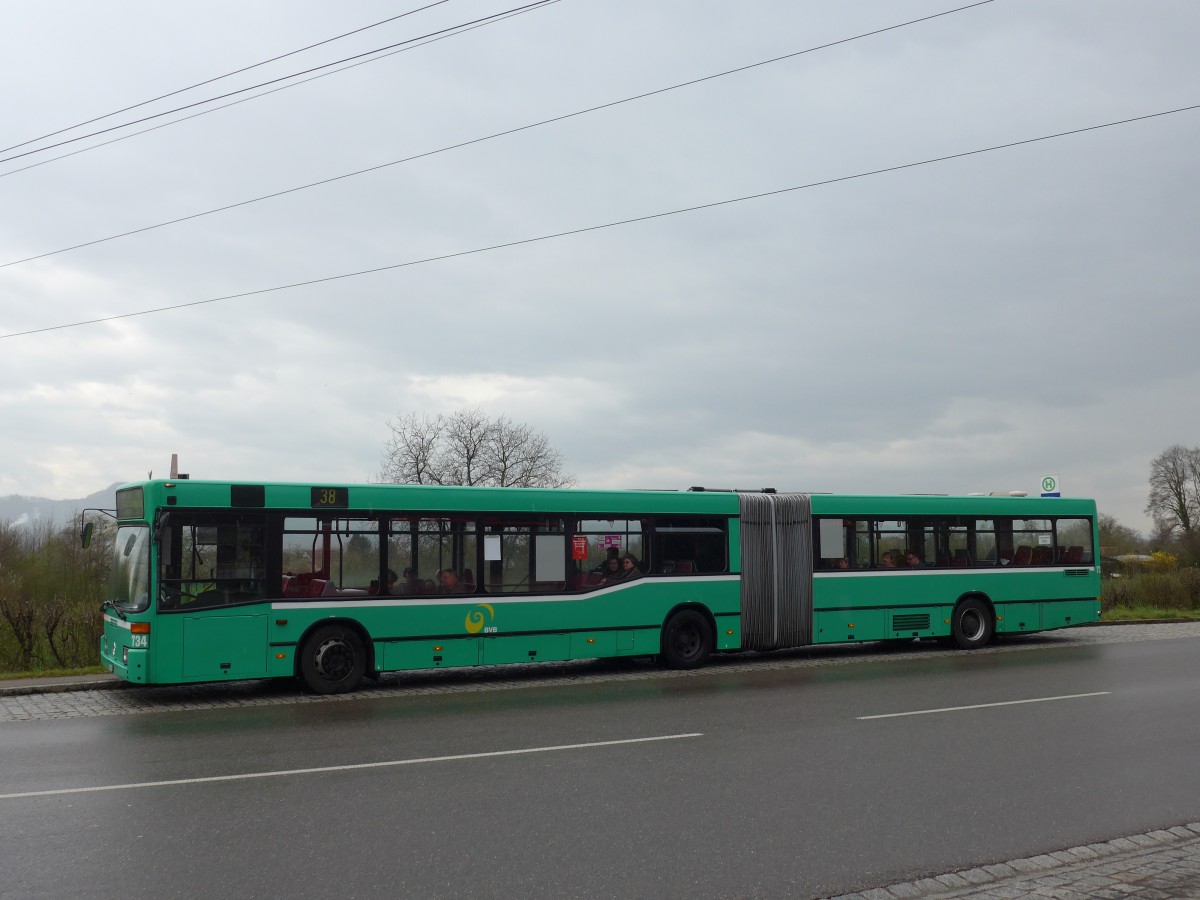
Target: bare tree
{"points": [[1174, 501], [409, 455], [1116, 538], [468, 447], [519, 455], [465, 456]]}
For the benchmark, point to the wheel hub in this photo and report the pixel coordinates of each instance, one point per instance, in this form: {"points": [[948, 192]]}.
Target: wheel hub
{"points": [[334, 659]]}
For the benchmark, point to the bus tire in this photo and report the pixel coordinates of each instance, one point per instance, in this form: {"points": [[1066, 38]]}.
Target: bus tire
{"points": [[333, 660], [972, 625], [687, 640]]}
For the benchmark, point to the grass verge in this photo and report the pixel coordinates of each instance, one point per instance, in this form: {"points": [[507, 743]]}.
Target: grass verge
{"points": [[1147, 613]]}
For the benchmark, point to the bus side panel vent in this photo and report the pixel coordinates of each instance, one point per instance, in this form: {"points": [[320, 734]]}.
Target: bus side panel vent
{"points": [[911, 622], [1076, 573]]}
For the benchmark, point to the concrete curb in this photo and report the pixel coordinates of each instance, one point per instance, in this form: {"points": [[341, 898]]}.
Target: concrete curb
{"points": [[18, 686]]}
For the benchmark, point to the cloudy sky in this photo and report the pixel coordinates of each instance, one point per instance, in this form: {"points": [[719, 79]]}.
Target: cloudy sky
{"points": [[965, 325]]}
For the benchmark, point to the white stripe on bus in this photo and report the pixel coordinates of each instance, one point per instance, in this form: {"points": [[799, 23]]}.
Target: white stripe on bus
{"points": [[475, 599]]}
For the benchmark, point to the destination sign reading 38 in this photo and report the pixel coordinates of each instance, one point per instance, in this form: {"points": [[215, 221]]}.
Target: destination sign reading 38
{"points": [[330, 498]]}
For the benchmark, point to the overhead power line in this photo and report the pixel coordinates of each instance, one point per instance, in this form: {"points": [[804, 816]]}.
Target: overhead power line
{"points": [[339, 62], [498, 134], [589, 228], [226, 75], [353, 65]]}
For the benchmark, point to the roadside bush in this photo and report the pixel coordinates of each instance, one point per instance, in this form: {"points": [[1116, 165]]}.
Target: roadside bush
{"points": [[1161, 587], [50, 594]]}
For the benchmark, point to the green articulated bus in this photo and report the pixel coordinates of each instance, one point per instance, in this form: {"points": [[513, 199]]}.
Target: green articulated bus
{"points": [[217, 581]]}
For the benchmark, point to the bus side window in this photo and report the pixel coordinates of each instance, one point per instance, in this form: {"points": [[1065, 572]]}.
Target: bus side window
{"points": [[692, 545]]}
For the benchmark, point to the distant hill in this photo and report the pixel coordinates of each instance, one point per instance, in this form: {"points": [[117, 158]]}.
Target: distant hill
{"points": [[19, 510]]}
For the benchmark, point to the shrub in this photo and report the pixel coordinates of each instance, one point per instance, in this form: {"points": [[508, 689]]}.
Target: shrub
{"points": [[50, 594], [1156, 588]]}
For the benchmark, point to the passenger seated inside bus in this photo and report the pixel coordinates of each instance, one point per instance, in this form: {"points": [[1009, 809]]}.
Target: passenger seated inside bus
{"points": [[629, 567], [611, 570], [450, 583], [409, 585], [611, 554]]}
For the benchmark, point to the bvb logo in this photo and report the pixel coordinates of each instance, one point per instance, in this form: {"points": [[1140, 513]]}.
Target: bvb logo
{"points": [[476, 618]]}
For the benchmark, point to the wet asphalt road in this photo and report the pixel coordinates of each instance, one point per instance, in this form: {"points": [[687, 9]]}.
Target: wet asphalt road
{"points": [[765, 778]]}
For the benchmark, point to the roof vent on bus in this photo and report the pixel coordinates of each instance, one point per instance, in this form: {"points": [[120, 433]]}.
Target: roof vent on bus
{"points": [[734, 490]]}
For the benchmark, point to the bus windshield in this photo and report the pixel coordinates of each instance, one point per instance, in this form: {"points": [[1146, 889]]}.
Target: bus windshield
{"points": [[129, 578]]}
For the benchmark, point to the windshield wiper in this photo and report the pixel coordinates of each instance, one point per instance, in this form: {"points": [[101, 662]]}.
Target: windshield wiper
{"points": [[108, 604]]}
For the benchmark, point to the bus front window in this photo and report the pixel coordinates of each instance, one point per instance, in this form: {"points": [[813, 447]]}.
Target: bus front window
{"points": [[129, 578]]}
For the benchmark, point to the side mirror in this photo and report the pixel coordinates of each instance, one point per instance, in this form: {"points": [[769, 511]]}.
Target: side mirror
{"points": [[85, 537]]}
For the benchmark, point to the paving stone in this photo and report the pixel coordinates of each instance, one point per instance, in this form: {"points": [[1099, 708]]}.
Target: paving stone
{"points": [[1045, 861], [1000, 870], [928, 886], [952, 880], [977, 876], [1025, 865], [1009, 890], [1124, 844]]}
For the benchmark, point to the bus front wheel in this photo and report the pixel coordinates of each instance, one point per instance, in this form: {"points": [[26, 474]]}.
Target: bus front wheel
{"points": [[333, 660], [972, 625], [687, 640]]}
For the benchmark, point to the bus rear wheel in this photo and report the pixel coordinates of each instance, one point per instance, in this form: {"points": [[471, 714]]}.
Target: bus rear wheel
{"points": [[972, 624], [687, 640], [333, 660]]}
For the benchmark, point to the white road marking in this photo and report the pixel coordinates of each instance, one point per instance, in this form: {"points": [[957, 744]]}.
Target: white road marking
{"points": [[347, 768], [926, 712]]}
